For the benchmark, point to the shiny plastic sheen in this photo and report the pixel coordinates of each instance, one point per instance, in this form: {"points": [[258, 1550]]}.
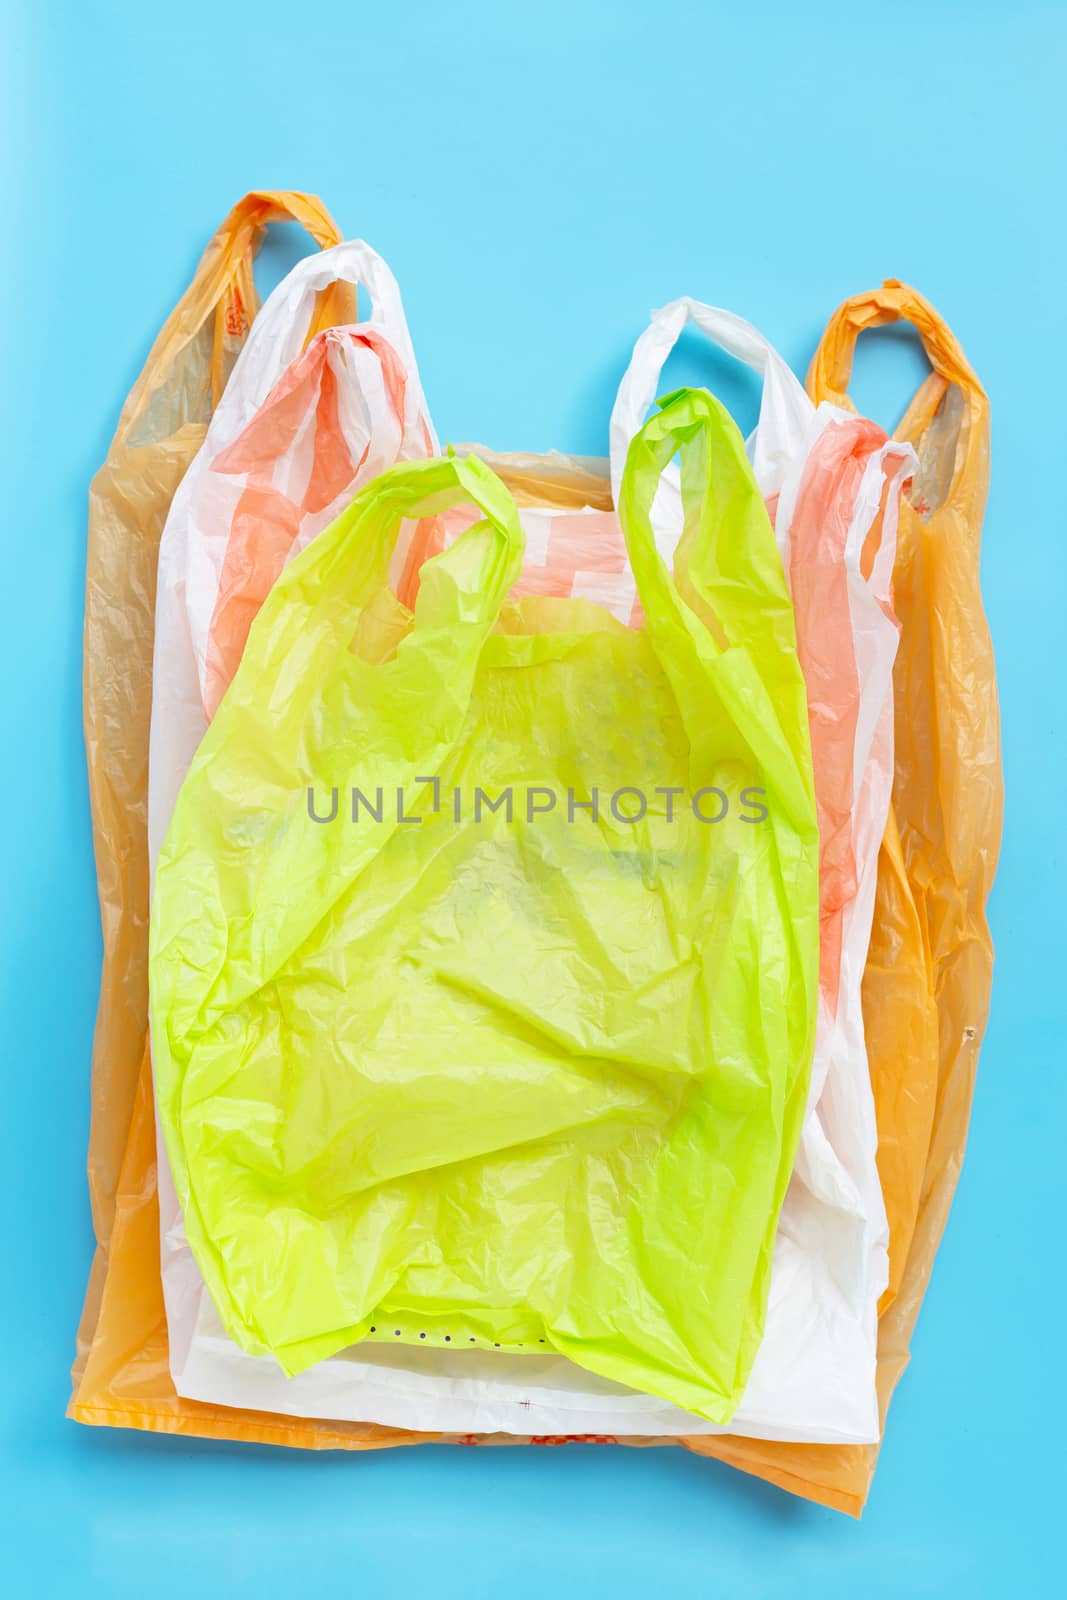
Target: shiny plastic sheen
{"points": [[929, 972], [160, 429], [121, 1376], [527, 1078]]}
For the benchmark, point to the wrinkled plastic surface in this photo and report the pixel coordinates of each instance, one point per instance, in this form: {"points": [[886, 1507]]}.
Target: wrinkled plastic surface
{"points": [[930, 970], [124, 1380], [927, 981], [161, 427], [830, 477], [513, 1079], [301, 424]]}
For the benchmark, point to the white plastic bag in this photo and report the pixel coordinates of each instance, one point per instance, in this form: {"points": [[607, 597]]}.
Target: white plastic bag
{"points": [[814, 1376]]}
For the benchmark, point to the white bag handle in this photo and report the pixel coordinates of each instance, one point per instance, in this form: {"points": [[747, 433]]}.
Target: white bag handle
{"points": [[785, 410], [279, 332]]}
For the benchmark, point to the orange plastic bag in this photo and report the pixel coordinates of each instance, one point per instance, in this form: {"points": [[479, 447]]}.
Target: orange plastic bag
{"points": [[929, 966], [928, 977], [159, 431]]}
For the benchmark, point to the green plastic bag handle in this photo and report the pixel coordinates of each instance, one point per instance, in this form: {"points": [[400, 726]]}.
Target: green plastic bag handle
{"points": [[727, 601]]}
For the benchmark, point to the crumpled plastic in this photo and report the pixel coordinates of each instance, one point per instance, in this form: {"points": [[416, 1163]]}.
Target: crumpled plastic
{"points": [[833, 481], [929, 974], [928, 977], [618, 987], [121, 1375], [301, 424]]}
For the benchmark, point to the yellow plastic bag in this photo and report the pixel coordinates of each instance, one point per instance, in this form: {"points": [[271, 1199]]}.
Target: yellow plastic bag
{"points": [[584, 1110], [922, 1110]]}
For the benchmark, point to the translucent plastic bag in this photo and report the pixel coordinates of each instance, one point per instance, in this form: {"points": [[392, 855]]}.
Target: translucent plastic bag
{"points": [[815, 1375], [809, 1380], [948, 796], [927, 982], [126, 1379], [161, 427], [621, 1005]]}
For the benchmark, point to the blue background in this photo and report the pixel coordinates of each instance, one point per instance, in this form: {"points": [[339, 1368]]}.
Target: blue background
{"points": [[538, 177]]}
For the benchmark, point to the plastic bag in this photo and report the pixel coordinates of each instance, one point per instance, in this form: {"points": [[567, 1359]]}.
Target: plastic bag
{"points": [[927, 982], [814, 1375], [620, 1000], [204, 1363], [126, 1379], [159, 431], [809, 1380], [948, 796]]}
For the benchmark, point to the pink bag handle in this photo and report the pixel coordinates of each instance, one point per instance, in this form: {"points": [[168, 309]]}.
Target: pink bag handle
{"points": [[280, 331]]}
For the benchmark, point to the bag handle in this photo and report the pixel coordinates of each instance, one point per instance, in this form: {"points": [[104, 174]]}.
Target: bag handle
{"points": [[831, 366], [726, 605], [733, 569], [226, 262], [466, 584], [330, 582], [262, 206], [281, 329], [885, 465], [785, 410], [405, 713], [240, 302]]}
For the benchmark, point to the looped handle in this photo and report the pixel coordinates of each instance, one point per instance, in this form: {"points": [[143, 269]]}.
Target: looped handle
{"points": [[280, 330], [466, 584], [886, 464], [831, 367], [726, 607], [224, 269], [263, 206], [728, 556], [240, 302], [785, 410], [316, 604]]}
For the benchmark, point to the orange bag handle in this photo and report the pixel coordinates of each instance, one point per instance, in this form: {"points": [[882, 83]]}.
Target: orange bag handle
{"points": [[223, 285], [241, 302], [831, 366]]}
